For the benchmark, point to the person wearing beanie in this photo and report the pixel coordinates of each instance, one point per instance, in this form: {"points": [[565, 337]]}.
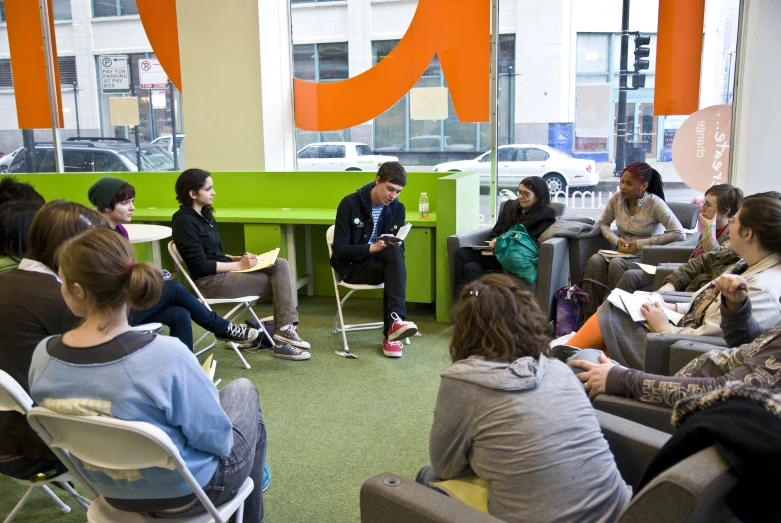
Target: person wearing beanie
{"points": [[177, 308]]}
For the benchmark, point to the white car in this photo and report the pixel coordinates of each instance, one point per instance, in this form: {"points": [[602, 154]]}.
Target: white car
{"points": [[517, 161], [340, 156], [6, 160], [165, 143]]}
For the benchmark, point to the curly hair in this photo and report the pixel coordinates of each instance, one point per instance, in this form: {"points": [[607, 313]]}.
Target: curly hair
{"points": [[498, 321]]}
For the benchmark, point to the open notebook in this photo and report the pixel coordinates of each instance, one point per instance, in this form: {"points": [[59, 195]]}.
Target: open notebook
{"points": [[265, 261], [632, 303]]}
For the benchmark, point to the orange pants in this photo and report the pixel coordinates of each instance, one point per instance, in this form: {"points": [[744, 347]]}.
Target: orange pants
{"points": [[589, 336]]}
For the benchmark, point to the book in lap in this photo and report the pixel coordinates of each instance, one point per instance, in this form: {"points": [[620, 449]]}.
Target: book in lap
{"points": [[633, 303], [607, 253], [265, 260]]}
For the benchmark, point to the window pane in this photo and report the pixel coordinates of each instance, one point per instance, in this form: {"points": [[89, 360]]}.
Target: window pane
{"points": [[592, 54], [304, 62], [107, 162], [363, 150], [333, 62], [503, 155], [62, 9], [114, 7], [313, 151], [533, 155], [74, 160]]}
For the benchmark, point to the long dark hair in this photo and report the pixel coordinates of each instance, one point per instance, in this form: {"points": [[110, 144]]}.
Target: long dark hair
{"points": [[497, 320], [644, 173], [193, 180], [540, 189]]}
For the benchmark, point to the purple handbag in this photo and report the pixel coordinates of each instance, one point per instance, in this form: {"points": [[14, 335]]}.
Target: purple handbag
{"points": [[569, 308]]}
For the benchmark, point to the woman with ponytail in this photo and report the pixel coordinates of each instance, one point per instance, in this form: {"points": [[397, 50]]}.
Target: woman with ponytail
{"points": [[516, 418], [642, 218], [102, 367]]}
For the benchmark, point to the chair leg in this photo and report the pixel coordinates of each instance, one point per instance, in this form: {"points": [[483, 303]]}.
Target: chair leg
{"points": [[81, 500], [341, 316], [262, 327], [239, 354], [65, 509], [239, 514], [406, 340], [22, 502]]}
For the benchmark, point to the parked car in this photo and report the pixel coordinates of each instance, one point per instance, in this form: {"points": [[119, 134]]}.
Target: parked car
{"points": [[429, 143], [340, 156], [515, 162], [6, 160], [95, 155], [165, 143]]}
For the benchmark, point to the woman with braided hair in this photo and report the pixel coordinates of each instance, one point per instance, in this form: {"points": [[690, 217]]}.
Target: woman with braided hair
{"points": [[642, 218]]}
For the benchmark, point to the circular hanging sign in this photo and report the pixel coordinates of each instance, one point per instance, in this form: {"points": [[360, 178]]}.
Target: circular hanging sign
{"points": [[701, 147]]}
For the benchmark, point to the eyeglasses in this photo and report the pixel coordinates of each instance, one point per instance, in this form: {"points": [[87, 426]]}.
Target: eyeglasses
{"points": [[707, 204], [525, 194]]}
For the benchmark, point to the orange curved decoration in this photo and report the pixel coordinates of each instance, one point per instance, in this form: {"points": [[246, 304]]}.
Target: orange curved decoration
{"points": [[159, 20], [458, 31]]}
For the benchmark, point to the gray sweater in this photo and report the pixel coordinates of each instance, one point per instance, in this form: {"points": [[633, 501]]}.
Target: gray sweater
{"points": [[527, 428]]}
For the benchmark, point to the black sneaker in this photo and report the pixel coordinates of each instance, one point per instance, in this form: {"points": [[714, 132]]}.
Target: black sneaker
{"points": [[290, 336], [238, 334], [288, 352]]}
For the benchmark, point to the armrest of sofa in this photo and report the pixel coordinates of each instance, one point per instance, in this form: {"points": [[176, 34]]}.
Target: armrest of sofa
{"points": [[552, 273], [476, 237], [390, 498], [657, 350], [677, 296], [670, 253], [682, 352], [652, 416], [633, 444], [580, 250], [663, 270]]}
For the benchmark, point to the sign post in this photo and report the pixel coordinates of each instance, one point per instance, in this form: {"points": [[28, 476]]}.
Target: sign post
{"points": [[114, 74]]}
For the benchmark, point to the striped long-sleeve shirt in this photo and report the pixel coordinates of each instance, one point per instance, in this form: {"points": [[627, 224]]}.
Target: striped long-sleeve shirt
{"points": [[652, 224]]}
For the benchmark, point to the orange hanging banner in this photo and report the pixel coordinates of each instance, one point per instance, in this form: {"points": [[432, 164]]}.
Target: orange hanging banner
{"points": [[159, 20], [28, 64], [678, 57]]}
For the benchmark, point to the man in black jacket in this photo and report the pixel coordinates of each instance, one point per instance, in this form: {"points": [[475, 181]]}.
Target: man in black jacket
{"points": [[359, 256]]}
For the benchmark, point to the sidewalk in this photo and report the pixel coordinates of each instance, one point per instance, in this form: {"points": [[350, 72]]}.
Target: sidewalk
{"points": [[608, 181]]}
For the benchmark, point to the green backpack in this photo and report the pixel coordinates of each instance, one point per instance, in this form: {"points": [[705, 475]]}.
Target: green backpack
{"points": [[518, 253]]}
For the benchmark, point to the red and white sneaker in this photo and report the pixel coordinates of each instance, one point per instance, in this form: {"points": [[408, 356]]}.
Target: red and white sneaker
{"points": [[391, 349], [401, 329]]}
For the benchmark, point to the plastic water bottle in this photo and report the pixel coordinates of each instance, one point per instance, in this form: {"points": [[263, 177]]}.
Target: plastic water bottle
{"points": [[423, 206]]}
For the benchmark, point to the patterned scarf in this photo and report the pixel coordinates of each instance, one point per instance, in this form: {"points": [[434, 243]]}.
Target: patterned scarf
{"points": [[707, 297]]}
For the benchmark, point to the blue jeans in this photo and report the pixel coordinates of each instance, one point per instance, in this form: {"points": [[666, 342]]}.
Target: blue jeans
{"points": [[241, 403], [175, 309]]}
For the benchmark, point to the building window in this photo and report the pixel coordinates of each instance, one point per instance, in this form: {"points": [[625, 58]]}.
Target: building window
{"points": [[61, 8], [394, 131], [67, 66], [101, 8], [321, 63]]}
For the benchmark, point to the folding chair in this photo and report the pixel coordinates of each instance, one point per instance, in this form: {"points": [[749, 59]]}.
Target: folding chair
{"points": [[339, 325], [243, 305], [95, 440], [14, 398]]}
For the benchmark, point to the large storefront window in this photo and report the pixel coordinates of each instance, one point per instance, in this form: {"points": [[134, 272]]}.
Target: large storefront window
{"points": [[321, 63]]}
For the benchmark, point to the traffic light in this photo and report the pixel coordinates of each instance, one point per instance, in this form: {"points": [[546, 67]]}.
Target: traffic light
{"points": [[642, 51]]}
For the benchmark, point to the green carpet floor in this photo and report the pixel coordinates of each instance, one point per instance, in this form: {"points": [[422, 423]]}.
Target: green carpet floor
{"points": [[332, 422]]}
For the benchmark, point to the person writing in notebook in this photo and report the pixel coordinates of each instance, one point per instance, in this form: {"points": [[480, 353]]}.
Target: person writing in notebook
{"points": [[198, 241], [361, 256]]}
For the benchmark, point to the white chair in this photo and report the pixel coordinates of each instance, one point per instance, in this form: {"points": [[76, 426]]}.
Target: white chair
{"points": [[14, 398], [95, 440], [243, 304], [339, 325]]}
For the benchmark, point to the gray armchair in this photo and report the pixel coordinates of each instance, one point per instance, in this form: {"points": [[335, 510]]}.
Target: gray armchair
{"points": [[551, 271], [691, 491], [659, 349], [581, 249]]}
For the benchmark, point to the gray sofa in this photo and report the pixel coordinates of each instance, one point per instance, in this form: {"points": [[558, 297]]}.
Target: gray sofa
{"points": [[581, 249], [691, 491], [551, 271]]}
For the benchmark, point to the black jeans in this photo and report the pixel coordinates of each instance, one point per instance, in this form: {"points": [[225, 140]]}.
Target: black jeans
{"points": [[388, 267], [175, 309], [25, 468], [470, 264], [241, 403]]}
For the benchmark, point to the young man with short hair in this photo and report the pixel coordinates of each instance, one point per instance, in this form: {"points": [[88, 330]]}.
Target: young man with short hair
{"points": [[114, 198], [359, 256]]}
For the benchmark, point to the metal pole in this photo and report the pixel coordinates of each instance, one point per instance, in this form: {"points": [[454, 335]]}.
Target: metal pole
{"points": [[28, 139], [494, 104], [173, 125], [76, 104], [51, 80], [133, 93], [622, 74]]}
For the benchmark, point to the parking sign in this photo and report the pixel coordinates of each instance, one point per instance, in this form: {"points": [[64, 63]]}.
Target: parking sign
{"points": [[114, 74], [151, 74]]}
